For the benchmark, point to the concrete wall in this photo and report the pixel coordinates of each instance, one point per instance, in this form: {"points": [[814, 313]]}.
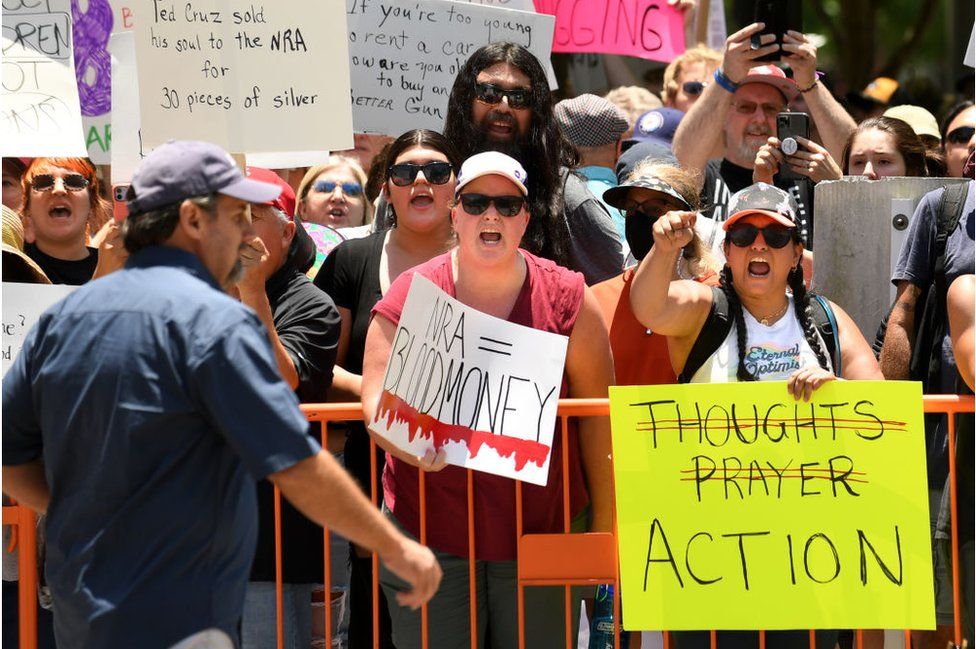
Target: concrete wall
{"points": [[859, 226]]}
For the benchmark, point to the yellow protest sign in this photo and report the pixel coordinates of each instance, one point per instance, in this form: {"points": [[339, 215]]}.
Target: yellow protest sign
{"points": [[741, 508]]}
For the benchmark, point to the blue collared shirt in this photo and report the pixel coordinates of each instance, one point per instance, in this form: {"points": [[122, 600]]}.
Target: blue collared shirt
{"points": [[599, 180], [155, 402]]}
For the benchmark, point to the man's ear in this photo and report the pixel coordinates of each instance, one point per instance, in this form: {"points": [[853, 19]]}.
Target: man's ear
{"points": [[288, 233], [191, 220]]}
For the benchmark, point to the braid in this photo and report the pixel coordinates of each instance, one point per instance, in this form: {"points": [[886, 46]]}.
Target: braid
{"points": [[801, 305], [735, 308]]}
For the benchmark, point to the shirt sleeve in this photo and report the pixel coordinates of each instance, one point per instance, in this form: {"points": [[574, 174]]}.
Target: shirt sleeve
{"points": [[21, 428], [334, 278], [918, 251], [309, 333], [238, 385]]}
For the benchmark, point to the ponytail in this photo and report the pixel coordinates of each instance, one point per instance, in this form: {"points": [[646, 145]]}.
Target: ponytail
{"points": [[801, 305], [735, 309]]}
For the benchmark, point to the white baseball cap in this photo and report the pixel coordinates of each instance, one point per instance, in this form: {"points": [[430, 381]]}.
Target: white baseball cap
{"points": [[492, 163]]}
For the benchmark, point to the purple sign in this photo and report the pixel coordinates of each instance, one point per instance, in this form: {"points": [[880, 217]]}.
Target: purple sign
{"points": [[93, 65]]}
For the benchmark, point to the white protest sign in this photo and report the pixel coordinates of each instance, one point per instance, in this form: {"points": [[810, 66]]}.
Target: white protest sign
{"points": [[91, 26], [249, 76], [23, 305], [483, 389], [404, 57], [287, 159], [521, 5], [970, 58], [40, 114], [127, 149]]}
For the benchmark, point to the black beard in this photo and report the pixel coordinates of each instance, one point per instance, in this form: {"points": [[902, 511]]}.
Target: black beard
{"points": [[481, 140]]}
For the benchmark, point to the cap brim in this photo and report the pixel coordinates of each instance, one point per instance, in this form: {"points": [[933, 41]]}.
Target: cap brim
{"points": [[493, 172], [252, 191], [617, 196], [775, 216]]}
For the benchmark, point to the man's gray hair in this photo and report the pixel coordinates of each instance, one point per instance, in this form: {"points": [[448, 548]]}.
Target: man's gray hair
{"points": [[156, 226]]}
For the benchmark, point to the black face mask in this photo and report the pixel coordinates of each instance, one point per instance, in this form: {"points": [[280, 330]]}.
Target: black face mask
{"points": [[637, 230]]}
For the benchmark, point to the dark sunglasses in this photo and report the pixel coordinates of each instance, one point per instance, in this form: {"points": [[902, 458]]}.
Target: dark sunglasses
{"points": [[492, 94], [693, 88], [775, 236], [328, 186], [476, 204], [436, 173], [45, 182], [961, 135]]}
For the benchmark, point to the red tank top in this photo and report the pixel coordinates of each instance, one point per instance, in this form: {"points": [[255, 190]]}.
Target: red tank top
{"points": [[550, 300]]}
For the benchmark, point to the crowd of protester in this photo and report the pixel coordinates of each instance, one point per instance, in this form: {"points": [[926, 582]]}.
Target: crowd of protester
{"points": [[666, 237]]}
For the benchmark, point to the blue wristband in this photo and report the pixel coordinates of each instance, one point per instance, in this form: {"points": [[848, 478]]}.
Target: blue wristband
{"points": [[724, 81]]}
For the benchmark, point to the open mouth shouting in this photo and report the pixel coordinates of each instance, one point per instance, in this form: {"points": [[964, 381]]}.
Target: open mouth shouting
{"points": [[421, 199], [490, 238], [758, 267]]}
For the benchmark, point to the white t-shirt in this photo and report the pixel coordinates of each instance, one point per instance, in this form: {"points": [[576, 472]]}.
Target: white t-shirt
{"points": [[773, 353]]}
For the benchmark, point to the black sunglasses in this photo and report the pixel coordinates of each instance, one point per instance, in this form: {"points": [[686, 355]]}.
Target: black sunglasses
{"points": [[492, 94], [45, 182], [436, 173], [476, 204], [775, 236], [328, 186], [693, 88], [961, 135]]}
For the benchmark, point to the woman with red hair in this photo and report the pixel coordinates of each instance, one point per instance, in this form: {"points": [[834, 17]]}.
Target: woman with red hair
{"points": [[62, 206]]}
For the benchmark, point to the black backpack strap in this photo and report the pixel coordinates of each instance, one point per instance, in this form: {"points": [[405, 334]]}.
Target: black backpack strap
{"points": [[950, 211], [826, 323], [713, 333]]}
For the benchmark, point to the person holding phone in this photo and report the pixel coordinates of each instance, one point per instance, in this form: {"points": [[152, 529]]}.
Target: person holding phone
{"points": [[740, 107]]}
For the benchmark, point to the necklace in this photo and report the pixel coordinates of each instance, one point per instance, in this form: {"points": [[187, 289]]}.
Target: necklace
{"points": [[770, 319]]}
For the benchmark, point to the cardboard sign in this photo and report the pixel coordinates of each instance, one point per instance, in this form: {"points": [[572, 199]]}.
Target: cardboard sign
{"points": [[648, 29], [404, 58], [741, 508], [483, 389], [40, 114], [251, 77], [23, 305], [127, 150]]}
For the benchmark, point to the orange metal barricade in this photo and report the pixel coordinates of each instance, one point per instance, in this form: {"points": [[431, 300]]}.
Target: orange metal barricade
{"points": [[543, 559]]}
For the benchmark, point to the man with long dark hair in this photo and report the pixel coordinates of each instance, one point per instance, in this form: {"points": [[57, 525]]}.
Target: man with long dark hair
{"points": [[501, 102]]}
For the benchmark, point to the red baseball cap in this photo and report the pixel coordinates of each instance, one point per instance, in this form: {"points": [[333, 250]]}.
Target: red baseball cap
{"points": [[773, 76], [286, 199]]}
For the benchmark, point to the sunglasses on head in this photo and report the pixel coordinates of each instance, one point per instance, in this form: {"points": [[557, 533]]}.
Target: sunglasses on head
{"points": [[961, 135], [693, 88], [436, 173], [476, 204], [71, 182], [775, 236], [328, 186], [492, 95]]}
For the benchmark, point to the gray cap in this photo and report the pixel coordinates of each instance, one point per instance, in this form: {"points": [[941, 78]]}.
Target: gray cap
{"points": [[617, 196], [182, 169], [589, 120]]}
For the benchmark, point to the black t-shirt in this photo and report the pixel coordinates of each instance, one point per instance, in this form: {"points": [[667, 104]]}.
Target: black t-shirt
{"points": [[62, 271], [307, 323], [351, 275], [723, 178]]}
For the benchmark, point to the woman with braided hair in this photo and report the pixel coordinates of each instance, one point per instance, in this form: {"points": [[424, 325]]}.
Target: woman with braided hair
{"points": [[760, 324]]}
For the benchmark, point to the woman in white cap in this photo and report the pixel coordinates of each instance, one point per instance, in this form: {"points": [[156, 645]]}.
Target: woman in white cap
{"points": [[489, 272], [760, 325]]}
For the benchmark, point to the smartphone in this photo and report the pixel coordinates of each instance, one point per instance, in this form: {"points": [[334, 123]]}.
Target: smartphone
{"points": [[119, 209], [779, 16], [788, 127]]}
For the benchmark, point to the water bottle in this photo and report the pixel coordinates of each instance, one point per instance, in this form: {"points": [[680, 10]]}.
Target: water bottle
{"points": [[601, 630]]}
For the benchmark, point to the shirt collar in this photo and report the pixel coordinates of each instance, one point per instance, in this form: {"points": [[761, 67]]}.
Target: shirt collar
{"points": [[174, 258], [594, 172]]}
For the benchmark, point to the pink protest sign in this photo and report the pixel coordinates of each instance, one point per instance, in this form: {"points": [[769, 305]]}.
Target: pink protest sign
{"points": [[649, 29]]}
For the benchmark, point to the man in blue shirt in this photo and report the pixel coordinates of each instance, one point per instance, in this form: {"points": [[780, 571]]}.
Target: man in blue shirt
{"points": [[142, 408]]}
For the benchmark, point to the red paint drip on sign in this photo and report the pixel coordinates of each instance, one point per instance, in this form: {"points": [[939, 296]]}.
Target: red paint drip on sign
{"points": [[420, 425]]}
